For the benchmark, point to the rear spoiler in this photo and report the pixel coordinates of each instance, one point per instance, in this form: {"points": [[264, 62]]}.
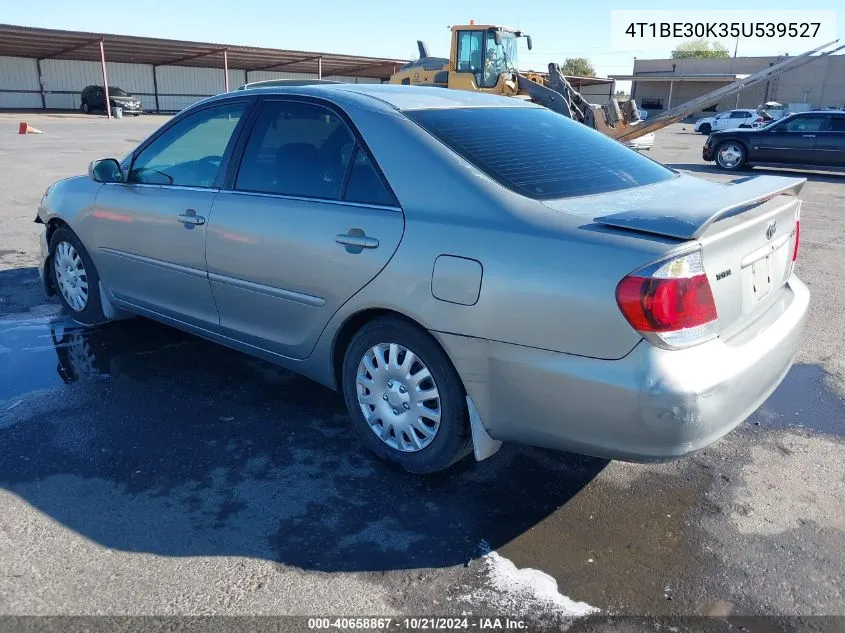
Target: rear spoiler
{"points": [[690, 221]]}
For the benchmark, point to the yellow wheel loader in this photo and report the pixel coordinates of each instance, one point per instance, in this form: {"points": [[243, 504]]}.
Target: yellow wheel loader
{"points": [[485, 58]]}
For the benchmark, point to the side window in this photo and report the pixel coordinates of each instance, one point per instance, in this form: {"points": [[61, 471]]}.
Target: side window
{"points": [[364, 184], [190, 152], [469, 51], [806, 124], [837, 124], [296, 149], [739, 115]]}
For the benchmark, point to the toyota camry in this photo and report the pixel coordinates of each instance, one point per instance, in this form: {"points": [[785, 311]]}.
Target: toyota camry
{"points": [[465, 269]]}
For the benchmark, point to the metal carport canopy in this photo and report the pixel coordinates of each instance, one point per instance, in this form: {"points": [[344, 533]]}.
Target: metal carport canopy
{"points": [[38, 43]]}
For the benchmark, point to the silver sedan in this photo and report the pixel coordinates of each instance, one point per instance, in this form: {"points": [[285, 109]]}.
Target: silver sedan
{"points": [[466, 269]]}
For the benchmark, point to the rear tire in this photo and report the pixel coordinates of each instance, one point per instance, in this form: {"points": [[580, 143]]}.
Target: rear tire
{"points": [[705, 129], [75, 278], [416, 422], [731, 155]]}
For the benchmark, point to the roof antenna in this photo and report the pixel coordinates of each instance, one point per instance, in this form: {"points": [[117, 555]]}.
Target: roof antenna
{"points": [[423, 49]]}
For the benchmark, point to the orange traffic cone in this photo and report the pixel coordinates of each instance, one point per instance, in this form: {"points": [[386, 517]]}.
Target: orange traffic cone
{"points": [[26, 128]]}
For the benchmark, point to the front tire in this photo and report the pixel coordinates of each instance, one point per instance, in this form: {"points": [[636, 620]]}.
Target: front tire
{"points": [[705, 129], [406, 400], [85, 108], [75, 278], [731, 155]]}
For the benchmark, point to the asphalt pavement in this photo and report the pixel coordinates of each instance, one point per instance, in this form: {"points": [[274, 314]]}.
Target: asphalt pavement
{"points": [[147, 471]]}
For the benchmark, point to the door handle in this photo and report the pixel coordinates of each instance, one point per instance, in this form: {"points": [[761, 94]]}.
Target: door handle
{"points": [[190, 217], [809, 136], [356, 238]]}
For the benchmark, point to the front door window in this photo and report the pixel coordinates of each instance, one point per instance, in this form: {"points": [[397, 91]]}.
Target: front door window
{"points": [[190, 152]]}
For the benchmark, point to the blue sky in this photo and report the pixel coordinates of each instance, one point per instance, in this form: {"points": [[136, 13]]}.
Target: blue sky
{"points": [[375, 27]]}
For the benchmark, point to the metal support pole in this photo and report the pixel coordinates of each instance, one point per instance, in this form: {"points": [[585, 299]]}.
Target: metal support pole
{"points": [[155, 88], [105, 78], [671, 85], [319, 68], [41, 84], [246, 77], [226, 69], [736, 107]]}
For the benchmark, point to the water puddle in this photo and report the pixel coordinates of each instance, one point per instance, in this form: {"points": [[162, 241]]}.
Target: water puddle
{"points": [[803, 401], [51, 352]]}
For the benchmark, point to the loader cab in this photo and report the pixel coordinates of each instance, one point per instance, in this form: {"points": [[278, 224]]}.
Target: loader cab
{"points": [[485, 58]]}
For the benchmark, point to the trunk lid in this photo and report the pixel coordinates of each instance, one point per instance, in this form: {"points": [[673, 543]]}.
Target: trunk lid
{"points": [[746, 229]]}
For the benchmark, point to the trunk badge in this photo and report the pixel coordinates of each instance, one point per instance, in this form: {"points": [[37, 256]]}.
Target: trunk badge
{"points": [[770, 231]]}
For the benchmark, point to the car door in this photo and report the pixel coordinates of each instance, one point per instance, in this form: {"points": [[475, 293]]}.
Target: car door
{"points": [[742, 118], [306, 221], [721, 121], [735, 119], [152, 227], [791, 141], [830, 142], [99, 100]]}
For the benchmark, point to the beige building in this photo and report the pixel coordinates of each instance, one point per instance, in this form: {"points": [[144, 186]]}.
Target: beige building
{"points": [[659, 84]]}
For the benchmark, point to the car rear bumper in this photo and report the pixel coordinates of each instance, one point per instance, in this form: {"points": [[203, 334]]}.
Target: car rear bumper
{"points": [[652, 405]]}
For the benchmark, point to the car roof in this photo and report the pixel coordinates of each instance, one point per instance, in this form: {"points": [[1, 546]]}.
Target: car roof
{"points": [[404, 98], [812, 113]]}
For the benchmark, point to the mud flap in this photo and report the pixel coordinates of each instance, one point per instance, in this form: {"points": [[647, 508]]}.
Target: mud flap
{"points": [[483, 445]]}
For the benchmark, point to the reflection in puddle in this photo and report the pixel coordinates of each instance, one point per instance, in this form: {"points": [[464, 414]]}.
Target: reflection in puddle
{"points": [[42, 353]]}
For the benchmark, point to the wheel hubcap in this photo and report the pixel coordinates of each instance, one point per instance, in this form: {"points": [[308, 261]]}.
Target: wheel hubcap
{"points": [[71, 277], [730, 155], [398, 397]]}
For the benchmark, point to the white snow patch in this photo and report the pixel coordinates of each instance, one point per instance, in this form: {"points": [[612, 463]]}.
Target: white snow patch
{"points": [[525, 591]]}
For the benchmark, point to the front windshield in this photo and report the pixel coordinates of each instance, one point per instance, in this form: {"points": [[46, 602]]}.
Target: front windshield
{"points": [[114, 91], [499, 58]]}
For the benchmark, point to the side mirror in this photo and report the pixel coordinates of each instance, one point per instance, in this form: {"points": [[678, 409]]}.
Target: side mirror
{"points": [[497, 36], [105, 170], [529, 42]]}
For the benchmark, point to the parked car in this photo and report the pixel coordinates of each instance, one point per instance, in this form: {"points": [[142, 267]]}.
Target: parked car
{"points": [[727, 121], [642, 143], [809, 139], [94, 98], [436, 257]]}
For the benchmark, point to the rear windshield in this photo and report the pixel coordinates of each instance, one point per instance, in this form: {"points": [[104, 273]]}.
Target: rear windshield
{"points": [[540, 153]]}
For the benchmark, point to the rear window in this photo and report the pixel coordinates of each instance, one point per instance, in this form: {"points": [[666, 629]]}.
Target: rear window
{"points": [[539, 153]]}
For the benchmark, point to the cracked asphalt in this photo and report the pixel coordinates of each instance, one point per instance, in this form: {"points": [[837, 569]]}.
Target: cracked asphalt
{"points": [[146, 471]]}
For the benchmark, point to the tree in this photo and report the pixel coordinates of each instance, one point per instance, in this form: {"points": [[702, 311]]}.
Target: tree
{"points": [[700, 49], [578, 67]]}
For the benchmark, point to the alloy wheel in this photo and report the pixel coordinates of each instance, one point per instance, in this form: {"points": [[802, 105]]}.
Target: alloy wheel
{"points": [[730, 155]]}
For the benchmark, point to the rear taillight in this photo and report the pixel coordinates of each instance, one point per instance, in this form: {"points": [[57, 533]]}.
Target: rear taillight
{"points": [[670, 303], [797, 240]]}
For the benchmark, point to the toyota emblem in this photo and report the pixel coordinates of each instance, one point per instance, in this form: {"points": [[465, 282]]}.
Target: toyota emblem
{"points": [[770, 231]]}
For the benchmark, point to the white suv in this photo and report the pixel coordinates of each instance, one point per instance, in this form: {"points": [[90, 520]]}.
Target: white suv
{"points": [[727, 121]]}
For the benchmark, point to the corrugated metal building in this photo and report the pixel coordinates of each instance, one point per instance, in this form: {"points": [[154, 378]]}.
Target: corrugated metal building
{"points": [[46, 68], [659, 84]]}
